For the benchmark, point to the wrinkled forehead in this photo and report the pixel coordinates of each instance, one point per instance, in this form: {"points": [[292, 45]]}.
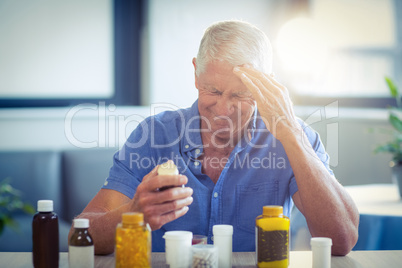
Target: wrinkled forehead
{"points": [[219, 66], [219, 76], [217, 71]]}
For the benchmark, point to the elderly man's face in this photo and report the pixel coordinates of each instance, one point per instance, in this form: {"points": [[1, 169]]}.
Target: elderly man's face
{"points": [[224, 102]]}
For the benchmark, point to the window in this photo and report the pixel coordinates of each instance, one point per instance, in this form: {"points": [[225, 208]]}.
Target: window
{"points": [[59, 53], [342, 51]]}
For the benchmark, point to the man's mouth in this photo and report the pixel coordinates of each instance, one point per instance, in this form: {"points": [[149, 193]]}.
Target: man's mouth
{"points": [[223, 122]]}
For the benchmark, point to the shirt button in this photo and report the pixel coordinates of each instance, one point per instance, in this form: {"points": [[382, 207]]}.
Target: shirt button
{"points": [[196, 164], [186, 146], [197, 151], [215, 194]]}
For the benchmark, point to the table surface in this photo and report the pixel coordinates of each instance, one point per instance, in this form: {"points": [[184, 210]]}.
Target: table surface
{"points": [[377, 199], [298, 259]]}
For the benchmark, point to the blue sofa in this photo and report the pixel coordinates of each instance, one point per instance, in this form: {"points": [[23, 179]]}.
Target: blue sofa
{"points": [[71, 178]]}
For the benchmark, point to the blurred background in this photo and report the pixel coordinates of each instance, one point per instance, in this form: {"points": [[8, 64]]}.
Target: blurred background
{"points": [[77, 76], [84, 73]]}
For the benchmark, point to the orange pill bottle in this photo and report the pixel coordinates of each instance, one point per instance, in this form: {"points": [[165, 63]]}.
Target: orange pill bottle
{"points": [[133, 242]]}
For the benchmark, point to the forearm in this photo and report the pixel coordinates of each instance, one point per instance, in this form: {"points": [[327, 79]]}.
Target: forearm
{"points": [[328, 208]]}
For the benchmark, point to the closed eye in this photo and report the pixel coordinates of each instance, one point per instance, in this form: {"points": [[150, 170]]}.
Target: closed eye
{"points": [[215, 91], [242, 95]]}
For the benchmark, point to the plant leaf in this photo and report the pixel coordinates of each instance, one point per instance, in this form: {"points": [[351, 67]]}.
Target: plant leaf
{"points": [[28, 208], [387, 148], [397, 158], [396, 122], [393, 89], [1, 226]]}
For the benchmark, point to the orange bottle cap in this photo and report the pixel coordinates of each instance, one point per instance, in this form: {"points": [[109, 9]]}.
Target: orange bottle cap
{"points": [[272, 211], [133, 217]]}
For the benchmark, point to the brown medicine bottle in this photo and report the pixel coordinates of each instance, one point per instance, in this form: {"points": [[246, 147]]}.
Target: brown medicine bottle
{"points": [[81, 249], [45, 236]]}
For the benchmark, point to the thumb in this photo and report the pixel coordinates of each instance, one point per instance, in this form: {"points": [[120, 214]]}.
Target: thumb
{"points": [[153, 173]]}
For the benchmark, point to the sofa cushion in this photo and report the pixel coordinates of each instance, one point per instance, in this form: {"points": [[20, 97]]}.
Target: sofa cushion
{"points": [[37, 174], [84, 172]]}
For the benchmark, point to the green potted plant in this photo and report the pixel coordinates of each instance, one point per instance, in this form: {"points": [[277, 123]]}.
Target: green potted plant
{"points": [[394, 146], [10, 203]]}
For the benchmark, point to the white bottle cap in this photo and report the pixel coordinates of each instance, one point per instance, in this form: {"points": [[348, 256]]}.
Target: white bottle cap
{"points": [[168, 168], [45, 205], [81, 223], [178, 235], [222, 229], [321, 242]]}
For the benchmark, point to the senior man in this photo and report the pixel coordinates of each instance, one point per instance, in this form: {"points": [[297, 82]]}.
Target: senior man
{"points": [[238, 147]]}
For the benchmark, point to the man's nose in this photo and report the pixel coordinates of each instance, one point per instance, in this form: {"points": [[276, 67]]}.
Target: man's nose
{"points": [[225, 106]]}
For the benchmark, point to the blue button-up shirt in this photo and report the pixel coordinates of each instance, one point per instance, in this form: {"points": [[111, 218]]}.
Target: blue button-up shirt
{"points": [[256, 174]]}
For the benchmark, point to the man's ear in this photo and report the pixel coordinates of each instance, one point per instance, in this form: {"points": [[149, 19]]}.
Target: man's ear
{"points": [[195, 70]]}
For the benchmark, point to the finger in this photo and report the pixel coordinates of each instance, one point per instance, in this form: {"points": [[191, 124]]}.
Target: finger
{"points": [[259, 80], [266, 94], [277, 84], [173, 194], [272, 78], [258, 74], [267, 80], [257, 89], [153, 173], [171, 216], [159, 181], [152, 198], [167, 207]]}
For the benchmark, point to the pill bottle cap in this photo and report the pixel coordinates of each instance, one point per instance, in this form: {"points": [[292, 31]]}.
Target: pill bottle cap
{"points": [[133, 218], [272, 211], [178, 235], [321, 242], [222, 229], [45, 205], [81, 223], [168, 168]]}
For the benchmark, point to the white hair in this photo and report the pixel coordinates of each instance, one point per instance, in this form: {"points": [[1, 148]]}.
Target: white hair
{"points": [[237, 43]]}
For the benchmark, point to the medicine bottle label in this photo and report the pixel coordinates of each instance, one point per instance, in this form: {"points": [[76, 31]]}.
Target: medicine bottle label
{"points": [[272, 245], [81, 257]]}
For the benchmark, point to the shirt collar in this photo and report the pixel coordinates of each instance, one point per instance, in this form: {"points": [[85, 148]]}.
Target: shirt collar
{"points": [[192, 134]]}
